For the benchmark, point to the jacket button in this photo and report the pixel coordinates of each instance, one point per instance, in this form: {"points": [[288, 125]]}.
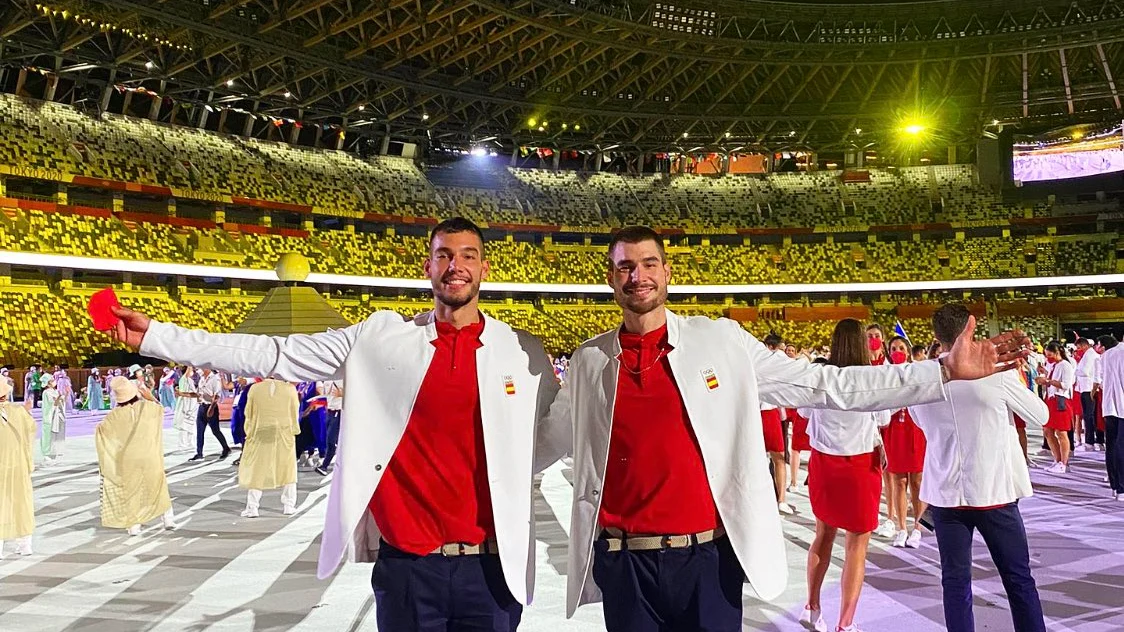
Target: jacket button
{"points": [[378, 468], [595, 493]]}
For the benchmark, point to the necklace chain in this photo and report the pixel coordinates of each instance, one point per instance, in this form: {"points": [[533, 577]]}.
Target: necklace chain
{"points": [[659, 356]]}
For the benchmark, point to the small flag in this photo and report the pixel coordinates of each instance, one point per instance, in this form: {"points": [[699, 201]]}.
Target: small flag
{"points": [[508, 385], [900, 331], [711, 379]]}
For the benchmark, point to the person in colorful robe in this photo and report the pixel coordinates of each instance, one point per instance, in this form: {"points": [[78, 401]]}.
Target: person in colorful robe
{"points": [[94, 392]]}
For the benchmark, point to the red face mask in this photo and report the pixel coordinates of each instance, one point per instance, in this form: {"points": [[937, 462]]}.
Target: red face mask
{"points": [[874, 344], [898, 357]]}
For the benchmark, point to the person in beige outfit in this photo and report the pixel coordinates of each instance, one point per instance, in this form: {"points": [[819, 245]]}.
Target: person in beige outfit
{"points": [[272, 409], [17, 460], [130, 444]]}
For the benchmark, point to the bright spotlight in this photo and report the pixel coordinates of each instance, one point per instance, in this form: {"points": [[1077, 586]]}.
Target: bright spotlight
{"points": [[425, 117], [577, 128], [914, 129], [479, 152], [229, 83], [531, 122], [288, 95], [148, 65]]}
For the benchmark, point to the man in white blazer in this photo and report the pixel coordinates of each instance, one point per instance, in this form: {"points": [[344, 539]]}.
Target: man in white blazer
{"points": [[673, 503], [975, 474], [436, 455]]}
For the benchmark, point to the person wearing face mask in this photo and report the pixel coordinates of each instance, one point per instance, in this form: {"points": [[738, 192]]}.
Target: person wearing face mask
{"points": [[875, 338], [905, 458], [1058, 381]]}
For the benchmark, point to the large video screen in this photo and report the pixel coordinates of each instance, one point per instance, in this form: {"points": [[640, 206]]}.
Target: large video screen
{"points": [[1073, 155]]}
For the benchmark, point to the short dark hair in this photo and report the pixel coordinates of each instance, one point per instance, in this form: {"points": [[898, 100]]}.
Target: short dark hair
{"points": [[916, 349], [949, 321], [1107, 341], [455, 225], [848, 344], [634, 235], [773, 340], [1084, 341]]}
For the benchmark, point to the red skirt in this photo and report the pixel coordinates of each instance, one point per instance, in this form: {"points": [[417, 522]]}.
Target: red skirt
{"points": [[905, 445], [845, 490], [1060, 419], [1019, 423], [800, 441], [774, 433]]}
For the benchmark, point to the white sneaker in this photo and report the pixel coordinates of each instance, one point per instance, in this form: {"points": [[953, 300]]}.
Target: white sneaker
{"points": [[133, 530], [850, 628], [1057, 468], [899, 539], [887, 529], [1081, 447], [786, 509], [791, 489], [914, 539], [249, 513], [24, 549], [303, 461], [314, 461], [813, 620], [288, 511], [170, 525]]}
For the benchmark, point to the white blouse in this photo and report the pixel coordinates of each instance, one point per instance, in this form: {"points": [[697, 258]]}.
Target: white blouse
{"points": [[1062, 372], [843, 432]]}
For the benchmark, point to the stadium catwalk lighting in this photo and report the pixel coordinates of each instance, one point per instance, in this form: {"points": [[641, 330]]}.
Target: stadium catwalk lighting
{"points": [[69, 262]]}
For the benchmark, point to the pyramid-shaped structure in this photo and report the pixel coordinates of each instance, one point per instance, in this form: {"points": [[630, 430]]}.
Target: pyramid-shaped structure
{"points": [[291, 308]]}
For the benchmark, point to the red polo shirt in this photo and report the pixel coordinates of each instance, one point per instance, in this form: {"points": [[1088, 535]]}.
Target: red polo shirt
{"points": [[435, 488], [655, 481]]}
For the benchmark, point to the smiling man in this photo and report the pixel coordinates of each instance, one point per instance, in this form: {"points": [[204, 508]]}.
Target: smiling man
{"points": [[673, 503], [436, 453]]}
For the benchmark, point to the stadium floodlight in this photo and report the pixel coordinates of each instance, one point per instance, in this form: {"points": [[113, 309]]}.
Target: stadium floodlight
{"points": [[728, 134], [577, 128], [230, 83], [685, 134], [479, 152], [914, 129], [425, 117], [531, 122], [288, 95], [361, 107], [148, 65]]}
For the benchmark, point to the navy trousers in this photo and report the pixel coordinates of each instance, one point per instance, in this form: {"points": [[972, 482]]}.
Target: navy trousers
{"points": [[1003, 532], [333, 437], [692, 589], [434, 593], [1114, 452], [205, 418], [1089, 416]]}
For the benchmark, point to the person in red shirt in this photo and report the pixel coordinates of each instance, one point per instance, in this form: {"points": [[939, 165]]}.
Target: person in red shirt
{"points": [[450, 557]]}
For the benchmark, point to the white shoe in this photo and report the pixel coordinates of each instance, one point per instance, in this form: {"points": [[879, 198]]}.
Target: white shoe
{"points": [[24, 550], [133, 530], [170, 525], [249, 513], [914, 539], [899, 539], [289, 510], [1057, 468], [791, 489], [1081, 447], [314, 461], [887, 529], [850, 628], [303, 461], [786, 509], [813, 620]]}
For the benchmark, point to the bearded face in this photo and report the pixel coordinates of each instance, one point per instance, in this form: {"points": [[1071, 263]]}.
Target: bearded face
{"points": [[456, 267], [639, 275]]}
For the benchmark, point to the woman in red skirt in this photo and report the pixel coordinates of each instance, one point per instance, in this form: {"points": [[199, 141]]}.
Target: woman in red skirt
{"points": [[844, 485], [905, 456], [799, 443], [1059, 378]]}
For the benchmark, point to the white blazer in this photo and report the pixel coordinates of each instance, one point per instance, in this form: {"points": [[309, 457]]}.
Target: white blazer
{"points": [[972, 452], [726, 418], [382, 361]]}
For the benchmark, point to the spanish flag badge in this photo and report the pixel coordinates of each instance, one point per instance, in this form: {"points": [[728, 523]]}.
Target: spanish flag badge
{"points": [[711, 379], [508, 385]]}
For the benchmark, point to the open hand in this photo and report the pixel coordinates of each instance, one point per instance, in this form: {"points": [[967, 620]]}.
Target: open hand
{"points": [[971, 359]]}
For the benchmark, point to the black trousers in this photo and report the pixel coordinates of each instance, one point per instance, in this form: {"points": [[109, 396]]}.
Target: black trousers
{"points": [[1089, 415], [434, 593], [205, 419], [1114, 452], [697, 588], [333, 437]]}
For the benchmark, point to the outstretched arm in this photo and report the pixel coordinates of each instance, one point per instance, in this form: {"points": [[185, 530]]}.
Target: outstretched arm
{"points": [[784, 382], [297, 358]]}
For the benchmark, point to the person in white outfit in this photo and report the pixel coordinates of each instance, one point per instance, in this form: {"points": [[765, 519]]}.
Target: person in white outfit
{"points": [[1083, 391], [1058, 382]]}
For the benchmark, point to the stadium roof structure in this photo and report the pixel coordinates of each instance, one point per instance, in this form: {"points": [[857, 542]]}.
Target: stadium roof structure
{"points": [[647, 75]]}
